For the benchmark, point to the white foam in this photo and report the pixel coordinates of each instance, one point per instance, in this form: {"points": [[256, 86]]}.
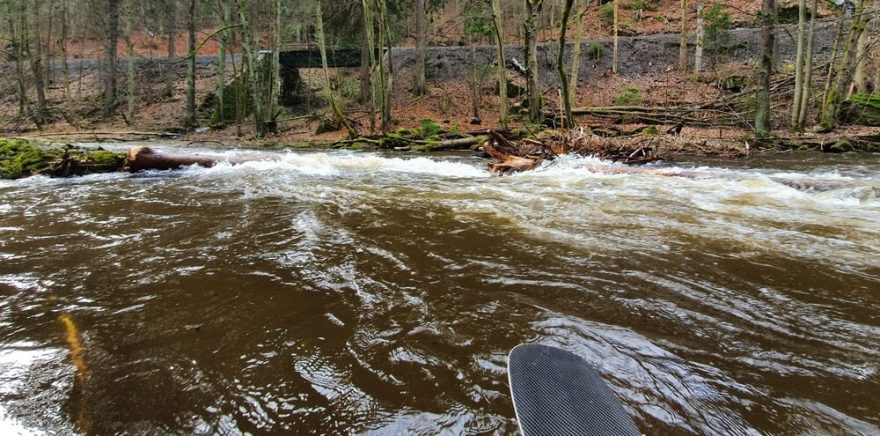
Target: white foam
{"points": [[347, 163]]}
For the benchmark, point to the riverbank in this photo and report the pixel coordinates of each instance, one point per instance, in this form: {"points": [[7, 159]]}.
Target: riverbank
{"points": [[508, 149]]}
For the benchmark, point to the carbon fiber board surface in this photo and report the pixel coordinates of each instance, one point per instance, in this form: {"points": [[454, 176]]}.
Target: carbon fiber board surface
{"points": [[558, 393]]}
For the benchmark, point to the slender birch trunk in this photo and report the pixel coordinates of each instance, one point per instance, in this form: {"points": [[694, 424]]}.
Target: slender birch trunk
{"points": [[799, 64], [683, 42], [576, 55], [615, 55], [701, 39]]}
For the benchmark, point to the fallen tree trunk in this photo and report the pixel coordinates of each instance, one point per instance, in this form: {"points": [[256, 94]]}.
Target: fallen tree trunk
{"points": [[145, 158], [449, 144]]}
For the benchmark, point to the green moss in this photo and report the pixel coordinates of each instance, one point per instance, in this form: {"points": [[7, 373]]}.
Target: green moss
{"points": [[403, 133], [841, 146], [650, 131], [103, 157], [861, 109], [21, 158], [429, 127], [868, 100], [629, 96]]}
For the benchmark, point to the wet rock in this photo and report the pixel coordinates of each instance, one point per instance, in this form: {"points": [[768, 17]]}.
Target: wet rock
{"points": [[842, 146]]}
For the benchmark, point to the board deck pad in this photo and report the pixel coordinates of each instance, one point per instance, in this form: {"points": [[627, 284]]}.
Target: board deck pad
{"points": [[556, 392]]}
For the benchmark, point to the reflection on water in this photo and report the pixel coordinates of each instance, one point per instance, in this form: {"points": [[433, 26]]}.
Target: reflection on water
{"points": [[358, 292]]}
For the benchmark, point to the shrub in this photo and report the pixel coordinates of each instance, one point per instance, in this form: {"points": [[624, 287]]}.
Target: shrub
{"points": [[477, 20], [629, 96], [595, 51], [717, 28], [644, 5], [429, 127], [606, 14]]}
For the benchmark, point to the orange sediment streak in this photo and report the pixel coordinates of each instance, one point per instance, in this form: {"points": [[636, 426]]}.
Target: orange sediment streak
{"points": [[71, 336]]}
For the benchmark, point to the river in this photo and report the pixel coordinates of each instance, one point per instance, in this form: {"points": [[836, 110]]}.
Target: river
{"points": [[337, 292]]}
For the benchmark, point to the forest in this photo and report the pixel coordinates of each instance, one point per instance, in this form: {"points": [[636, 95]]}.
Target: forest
{"points": [[421, 74]]}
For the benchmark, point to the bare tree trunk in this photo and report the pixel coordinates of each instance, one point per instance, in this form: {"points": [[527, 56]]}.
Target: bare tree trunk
{"points": [[533, 84], [860, 76], [845, 68], [568, 119], [832, 64], [275, 68], [384, 73], [808, 70], [683, 43], [421, 42], [250, 61], [221, 60], [65, 70], [47, 54], [762, 111], [701, 39], [502, 64], [18, 41], [576, 55], [328, 91], [799, 64], [191, 67], [475, 87], [370, 40], [129, 19], [615, 55], [171, 30], [365, 64], [36, 67], [110, 64]]}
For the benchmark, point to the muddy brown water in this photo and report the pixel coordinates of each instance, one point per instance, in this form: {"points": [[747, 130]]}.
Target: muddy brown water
{"points": [[368, 293]]}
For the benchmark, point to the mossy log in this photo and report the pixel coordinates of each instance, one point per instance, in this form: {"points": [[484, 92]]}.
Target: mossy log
{"points": [[23, 158]]}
